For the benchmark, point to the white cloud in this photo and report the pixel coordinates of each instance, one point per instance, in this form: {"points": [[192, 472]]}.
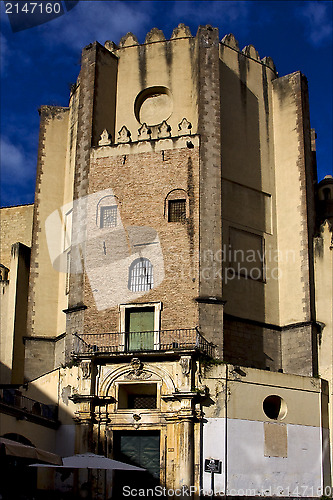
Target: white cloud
{"points": [[17, 167], [97, 20], [4, 54], [317, 17], [215, 12]]}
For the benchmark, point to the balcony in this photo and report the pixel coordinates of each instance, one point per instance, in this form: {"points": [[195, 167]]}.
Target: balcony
{"points": [[14, 403], [184, 339]]}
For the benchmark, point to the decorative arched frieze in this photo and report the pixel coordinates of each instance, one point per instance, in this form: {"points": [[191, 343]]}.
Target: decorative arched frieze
{"points": [[124, 373]]}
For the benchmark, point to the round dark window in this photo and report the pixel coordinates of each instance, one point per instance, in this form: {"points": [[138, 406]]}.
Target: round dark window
{"points": [[274, 407]]}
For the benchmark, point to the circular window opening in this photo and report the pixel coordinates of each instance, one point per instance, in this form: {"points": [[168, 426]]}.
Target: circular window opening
{"points": [[274, 407], [153, 105]]}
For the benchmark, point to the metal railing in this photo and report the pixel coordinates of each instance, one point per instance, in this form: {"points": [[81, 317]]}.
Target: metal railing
{"points": [[14, 399], [148, 341]]}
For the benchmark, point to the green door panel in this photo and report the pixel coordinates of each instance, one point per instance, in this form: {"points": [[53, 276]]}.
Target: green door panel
{"points": [[141, 320], [142, 450], [140, 325]]}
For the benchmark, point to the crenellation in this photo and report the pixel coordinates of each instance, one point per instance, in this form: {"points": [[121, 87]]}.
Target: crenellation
{"points": [[250, 51], [181, 31], [155, 35], [128, 40], [111, 46], [268, 61], [230, 41]]}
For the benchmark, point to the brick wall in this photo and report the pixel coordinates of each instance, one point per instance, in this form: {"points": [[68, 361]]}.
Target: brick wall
{"points": [[141, 183]]}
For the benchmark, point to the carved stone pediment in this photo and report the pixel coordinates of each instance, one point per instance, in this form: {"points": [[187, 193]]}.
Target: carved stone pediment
{"points": [[124, 135], [184, 127], [138, 373], [144, 133], [136, 364], [105, 139], [164, 130]]}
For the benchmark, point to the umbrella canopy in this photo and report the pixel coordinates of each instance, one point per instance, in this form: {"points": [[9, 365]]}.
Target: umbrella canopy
{"points": [[16, 449], [91, 461]]}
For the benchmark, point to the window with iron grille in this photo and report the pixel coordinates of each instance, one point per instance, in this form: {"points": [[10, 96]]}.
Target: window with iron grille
{"points": [[109, 216], [140, 277], [141, 401], [177, 211], [137, 396]]}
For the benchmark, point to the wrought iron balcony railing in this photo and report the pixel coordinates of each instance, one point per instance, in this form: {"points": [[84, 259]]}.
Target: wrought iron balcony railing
{"points": [[12, 398], [150, 341]]}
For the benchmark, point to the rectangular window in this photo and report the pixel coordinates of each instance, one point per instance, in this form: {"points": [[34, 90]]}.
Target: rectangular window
{"points": [[109, 216], [141, 401], [137, 396], [177, 211]]}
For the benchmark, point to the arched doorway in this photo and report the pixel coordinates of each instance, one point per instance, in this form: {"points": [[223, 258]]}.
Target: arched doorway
{"points": [[18, 479]]}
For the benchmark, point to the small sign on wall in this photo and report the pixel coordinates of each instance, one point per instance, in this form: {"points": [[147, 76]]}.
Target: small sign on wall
{"points": [[213, 466]]}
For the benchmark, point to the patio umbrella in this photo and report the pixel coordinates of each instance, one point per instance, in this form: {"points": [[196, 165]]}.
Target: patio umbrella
{"points": [[91, 461], [16, 449]]}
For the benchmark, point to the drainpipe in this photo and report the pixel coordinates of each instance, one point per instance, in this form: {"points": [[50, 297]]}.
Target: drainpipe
{"points": [[226, 434]]}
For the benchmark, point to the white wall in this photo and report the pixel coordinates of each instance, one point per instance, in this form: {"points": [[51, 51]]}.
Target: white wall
{"points": [[300, 473]]}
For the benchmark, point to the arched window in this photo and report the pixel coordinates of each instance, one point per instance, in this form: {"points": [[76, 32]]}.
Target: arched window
{"points": [[108, 216], [140, 278], [176, 206], [107, 212]]}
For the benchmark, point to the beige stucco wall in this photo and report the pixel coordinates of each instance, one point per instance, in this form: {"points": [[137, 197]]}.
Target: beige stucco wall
{"points": [[6, 345], [68, 179], [248, 184], [291, 198], [54, 388], [323, 254], [324, 293], [159, 63], [44, 280], [14, 316], [15, 226], [297, 392]]}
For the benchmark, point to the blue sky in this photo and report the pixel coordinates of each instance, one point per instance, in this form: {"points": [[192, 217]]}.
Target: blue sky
{"points": [[39, 64]]}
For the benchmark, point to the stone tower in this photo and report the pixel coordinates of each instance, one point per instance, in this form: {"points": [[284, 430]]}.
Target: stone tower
{"points": [[172, 280]]}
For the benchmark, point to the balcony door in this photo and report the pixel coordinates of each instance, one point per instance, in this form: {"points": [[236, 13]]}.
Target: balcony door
{"points": [[139, 326]]}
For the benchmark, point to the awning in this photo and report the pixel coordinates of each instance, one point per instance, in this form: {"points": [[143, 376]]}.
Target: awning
{"points": [[92, 461], [15, 449]]}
